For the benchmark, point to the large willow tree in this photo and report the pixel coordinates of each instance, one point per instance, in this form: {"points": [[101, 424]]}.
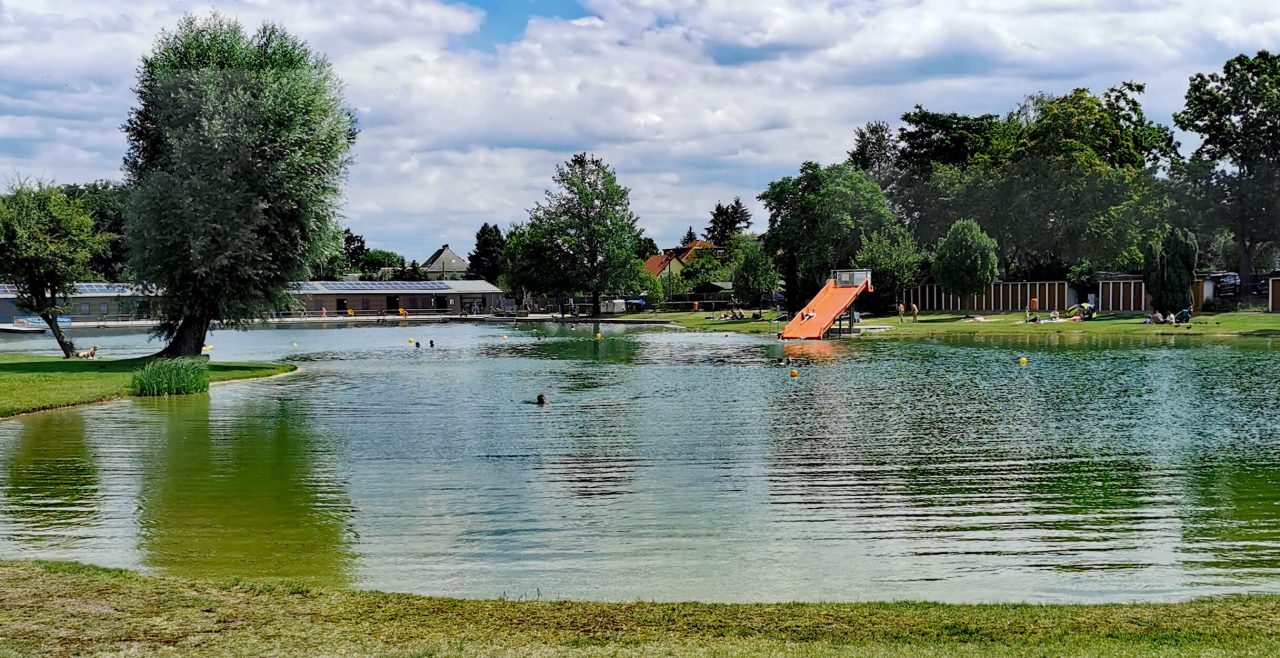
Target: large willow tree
{"points": [[238, 146]]}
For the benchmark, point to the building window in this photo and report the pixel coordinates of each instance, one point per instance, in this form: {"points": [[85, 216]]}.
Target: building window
{"points": [[364, 303], [319, 304], [104, 308], [84, 308]]}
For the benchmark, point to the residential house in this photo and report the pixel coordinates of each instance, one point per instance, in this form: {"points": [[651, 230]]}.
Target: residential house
{"points": [[445, 265]]}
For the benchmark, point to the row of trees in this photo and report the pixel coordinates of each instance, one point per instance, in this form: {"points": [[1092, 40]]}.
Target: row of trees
{"points": [[584, 238], [1064, 186], [1058, 187]]}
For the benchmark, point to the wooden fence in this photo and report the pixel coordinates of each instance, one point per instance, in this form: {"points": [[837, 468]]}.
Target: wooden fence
{"points": [[1005, 296], [1122, 296], [1274, 296]]}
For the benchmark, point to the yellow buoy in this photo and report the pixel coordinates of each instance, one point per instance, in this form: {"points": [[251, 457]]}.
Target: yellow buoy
{"points": [[795, 373], [599, 336], [504, 338], [1022, 361], [410, 341], [295, 344]]}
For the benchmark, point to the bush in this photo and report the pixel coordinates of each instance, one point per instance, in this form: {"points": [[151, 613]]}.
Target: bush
{"points": [[966, 259], [171, 377], [1170, 268]]}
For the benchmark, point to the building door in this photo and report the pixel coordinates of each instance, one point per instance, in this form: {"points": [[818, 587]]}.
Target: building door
{"points": [[393, 302], [340, 304]]}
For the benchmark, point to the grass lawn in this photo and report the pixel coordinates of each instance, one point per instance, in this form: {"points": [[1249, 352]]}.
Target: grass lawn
{"points": [[933, 324], [32, 383], [61, 609]]}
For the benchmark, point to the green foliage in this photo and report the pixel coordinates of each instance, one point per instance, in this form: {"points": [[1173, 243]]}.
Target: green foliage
{"points": [[816, 223], [527, 270], [965, 261], [676, 286], [646, 247], [583, 235], [655, 287], [47, 242], [755, 277], [1083, 278], [353, 248], [238, 146], [876, 151], [704, 268], [1219, 254], [1237, 115], [162, 377], [485, 261], [1059, 179], [375, 260], [894, 258], [106, 202], [726, 222], [1170, 269], [929, 139]]}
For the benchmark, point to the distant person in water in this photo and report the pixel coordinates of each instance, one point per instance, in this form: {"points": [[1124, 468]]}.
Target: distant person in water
{"points": [[431, 343], [542, 399], [417, 345]]}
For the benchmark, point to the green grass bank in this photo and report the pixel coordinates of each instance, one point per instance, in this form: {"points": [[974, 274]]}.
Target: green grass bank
{"points": [[32, 383], [1009, 324], [65, 609]]}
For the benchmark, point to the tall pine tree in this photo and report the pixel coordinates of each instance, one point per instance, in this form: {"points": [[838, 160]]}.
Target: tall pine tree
{"points": [[726, 222], [689, 237], [485, 261]]}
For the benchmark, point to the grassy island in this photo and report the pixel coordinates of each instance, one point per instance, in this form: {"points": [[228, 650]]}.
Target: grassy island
{"points": [[32, 383], [63, 609], [1005, 324]]}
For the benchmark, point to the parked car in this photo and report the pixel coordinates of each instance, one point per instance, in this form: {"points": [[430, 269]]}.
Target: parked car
{"points": [[1225, 284]]}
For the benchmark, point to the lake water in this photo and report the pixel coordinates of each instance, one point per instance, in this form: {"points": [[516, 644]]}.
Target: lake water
{"points": [[675, 465]]}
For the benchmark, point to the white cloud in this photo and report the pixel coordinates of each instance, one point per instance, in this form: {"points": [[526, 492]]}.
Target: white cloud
{"points": [[692, 102]]}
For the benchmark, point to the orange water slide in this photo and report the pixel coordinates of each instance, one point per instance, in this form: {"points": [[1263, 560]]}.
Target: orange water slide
{"points": [[813, 321]]}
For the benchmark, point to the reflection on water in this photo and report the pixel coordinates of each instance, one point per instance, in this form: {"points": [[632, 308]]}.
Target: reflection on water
{"points": [[1232, 522], [674, 465], [248, 494], [51, 478]]}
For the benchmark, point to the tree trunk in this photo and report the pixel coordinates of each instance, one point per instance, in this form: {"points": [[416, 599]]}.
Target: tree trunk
{"points": [[1246, 266], [595, 303], [188, 340], [68, 347], [793, 284]]}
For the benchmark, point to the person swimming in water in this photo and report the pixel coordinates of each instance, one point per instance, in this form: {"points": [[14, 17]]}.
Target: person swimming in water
{"points": [[542, 399], [417, 345], [431, 343]]}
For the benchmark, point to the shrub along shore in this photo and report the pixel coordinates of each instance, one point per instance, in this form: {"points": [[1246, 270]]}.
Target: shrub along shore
{"points": [[33, 383], [60, 608], [1004, 324]]}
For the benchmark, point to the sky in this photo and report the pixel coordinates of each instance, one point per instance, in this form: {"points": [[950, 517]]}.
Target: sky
{"points": [[465, 108]]}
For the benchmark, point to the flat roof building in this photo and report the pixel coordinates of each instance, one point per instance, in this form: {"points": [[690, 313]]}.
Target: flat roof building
{"points": [[122, 301]]}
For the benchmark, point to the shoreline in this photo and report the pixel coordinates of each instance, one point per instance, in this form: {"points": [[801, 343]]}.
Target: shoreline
{"points": [[36, 384], [64, 608], [1246, 324]]}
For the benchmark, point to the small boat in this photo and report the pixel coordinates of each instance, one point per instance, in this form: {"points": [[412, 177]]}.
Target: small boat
{"points": [[23, 329]]}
